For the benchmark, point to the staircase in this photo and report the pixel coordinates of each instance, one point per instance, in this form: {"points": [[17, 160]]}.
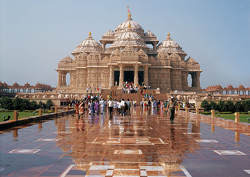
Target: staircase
{"points": [[117, 94]]}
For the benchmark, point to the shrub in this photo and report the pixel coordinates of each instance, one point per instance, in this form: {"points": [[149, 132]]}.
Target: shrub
{"points": [[6, 103]]}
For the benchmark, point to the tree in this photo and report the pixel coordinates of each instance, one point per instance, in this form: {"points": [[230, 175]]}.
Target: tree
{"points": [[48, 104], [246, 105], [6, 103], [42, 105], [213, 105], [239, 106], [230, 106], [222, 106], [206, 105], [17, 103], [33, 105]]}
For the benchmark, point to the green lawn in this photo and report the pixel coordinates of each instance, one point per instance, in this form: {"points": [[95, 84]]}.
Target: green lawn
{"points": [[243, 117], [21, 115]]}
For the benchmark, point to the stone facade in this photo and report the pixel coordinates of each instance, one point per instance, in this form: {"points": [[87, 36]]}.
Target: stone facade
{"points": [[133, 55]]}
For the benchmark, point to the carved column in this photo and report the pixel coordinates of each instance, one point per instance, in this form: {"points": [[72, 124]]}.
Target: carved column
{"points": [[59, 83], [198, 79], [111, 76], [146, 75], [121, 76], [136, 82], [64, 78]]}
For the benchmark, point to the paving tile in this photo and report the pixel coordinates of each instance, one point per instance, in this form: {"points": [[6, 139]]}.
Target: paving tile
{"points": [[142, 144]]}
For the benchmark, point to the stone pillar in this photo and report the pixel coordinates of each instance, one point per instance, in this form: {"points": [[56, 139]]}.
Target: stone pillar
{"points": [[55, 110], [64, 78], [111, 76], [59, 83], [198, 79], [15, 116], [67, 108], [121, 76], [40, 112], [197, 111], [136, 82], [146, 75], [212, 113], [237, 117], [237, 137], [186, 109]]}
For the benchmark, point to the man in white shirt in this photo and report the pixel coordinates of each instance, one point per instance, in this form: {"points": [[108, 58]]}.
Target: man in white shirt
{"points": [[110, 106]]}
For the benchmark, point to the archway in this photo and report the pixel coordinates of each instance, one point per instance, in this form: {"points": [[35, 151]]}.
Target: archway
{"points": [[129, 76], [116, 77]]}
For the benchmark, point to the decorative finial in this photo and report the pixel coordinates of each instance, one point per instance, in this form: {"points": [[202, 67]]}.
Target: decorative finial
{"points": [[168, 34], [90, 34], [129, 14], [129, 25]]}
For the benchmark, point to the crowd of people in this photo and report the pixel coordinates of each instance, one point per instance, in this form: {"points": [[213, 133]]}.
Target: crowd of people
{"points": [[95, 105]]}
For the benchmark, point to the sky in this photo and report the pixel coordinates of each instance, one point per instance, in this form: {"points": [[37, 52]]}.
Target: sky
{"points": [[35, 35]]}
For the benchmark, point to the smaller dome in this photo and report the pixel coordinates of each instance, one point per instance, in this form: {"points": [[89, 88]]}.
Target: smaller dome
{"points": [[15, 84], [27, 85], [170, 46], [67, 60], [149, 34], [88, 45], [230, 87], [38, 85], [241, 87], [5, 85], [109, 33]]}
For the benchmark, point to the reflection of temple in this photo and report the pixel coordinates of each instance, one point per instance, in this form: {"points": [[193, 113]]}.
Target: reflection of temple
{"points": [[132, 55], [127, 141]]}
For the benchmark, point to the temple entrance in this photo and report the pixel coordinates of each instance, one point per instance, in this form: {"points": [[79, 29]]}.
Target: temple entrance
{"points": [[129, 76], [116, 77], [141, 77]]}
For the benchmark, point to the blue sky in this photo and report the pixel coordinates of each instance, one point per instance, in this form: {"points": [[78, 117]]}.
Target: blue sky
{"points": [[36, 35]]}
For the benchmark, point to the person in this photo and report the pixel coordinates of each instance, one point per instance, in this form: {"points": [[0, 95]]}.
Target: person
{"points": [[81, 108], [110, 106], [77, 109], [129, 106], [122, 107], [171, 108], [97, 107], [102, 106]]}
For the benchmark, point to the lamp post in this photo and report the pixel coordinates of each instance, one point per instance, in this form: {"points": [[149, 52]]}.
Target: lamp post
{"points": [[33, 113], [218, 114], [248, 119]]}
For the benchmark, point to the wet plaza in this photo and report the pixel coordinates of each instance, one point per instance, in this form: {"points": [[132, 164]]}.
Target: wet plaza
{"points": [[141, 144]]}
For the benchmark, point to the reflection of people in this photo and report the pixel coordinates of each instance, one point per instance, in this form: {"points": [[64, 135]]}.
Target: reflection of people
{"points": [[171, 108], [81, 109], [172, 137]]}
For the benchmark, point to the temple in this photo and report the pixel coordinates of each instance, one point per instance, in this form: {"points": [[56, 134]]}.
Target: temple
{"points": [[129, 54]]}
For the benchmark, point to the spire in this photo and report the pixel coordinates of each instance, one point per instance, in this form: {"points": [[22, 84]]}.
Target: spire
{"points": [[168, 35], [129, 14], [90, 34]]}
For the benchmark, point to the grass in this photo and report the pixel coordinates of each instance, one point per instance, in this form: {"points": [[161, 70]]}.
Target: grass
{"points": [[243, 117], [21, 115]]}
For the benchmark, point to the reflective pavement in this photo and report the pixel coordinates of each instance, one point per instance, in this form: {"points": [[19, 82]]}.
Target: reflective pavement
{"points": [[141, 144]]}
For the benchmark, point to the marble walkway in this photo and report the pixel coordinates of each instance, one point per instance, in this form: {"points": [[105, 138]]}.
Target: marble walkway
{"points": [[141, 144]]}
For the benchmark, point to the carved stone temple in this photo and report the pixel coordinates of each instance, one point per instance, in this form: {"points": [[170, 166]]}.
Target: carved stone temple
{"points": [[134, 56]]}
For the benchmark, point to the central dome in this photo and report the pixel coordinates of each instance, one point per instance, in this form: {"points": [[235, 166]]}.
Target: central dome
{"points": [[134, 26], [129, 38]]}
